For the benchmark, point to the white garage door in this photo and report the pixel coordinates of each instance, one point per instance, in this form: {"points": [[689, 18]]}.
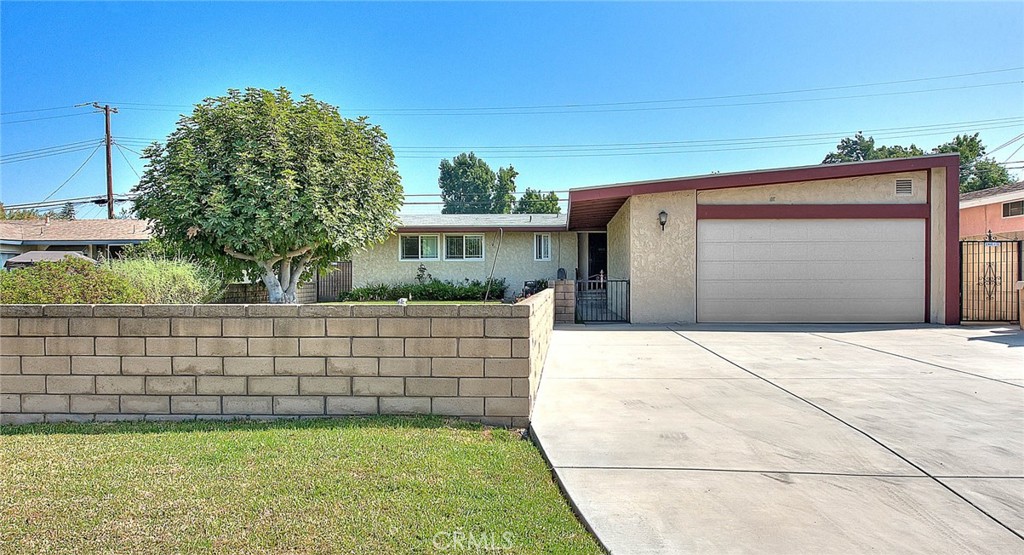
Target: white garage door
{"points": [[810, 271]]}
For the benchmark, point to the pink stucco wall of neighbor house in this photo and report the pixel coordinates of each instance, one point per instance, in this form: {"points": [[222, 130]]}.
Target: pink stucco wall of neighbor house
{"points": [[982, 211], [977, 221]]}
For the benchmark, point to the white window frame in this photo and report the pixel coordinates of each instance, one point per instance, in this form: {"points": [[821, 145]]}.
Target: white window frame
{"points": [[436, 237], [464, 258], [537, 256], [1002, 209]]}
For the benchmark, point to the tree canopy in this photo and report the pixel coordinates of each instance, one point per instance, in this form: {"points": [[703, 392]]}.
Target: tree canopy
{"points": [[269, 187], [977, 171], [536, 202], [6, 214], [469, 186]]}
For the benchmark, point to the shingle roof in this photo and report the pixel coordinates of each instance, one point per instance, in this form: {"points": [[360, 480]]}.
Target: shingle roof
{"points": [[993, 191], [443, 222], [85, 231]]}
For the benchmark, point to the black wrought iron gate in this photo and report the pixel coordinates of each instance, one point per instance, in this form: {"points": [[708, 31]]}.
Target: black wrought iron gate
{"points": [[989, 271], [602, 300]]}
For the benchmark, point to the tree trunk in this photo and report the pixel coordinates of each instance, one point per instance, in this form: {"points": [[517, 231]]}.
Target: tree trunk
{"points": [[275, 293], [283, 283]]}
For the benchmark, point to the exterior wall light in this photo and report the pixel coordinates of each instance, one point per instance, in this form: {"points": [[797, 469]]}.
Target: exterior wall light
{"points": [[662, 219]]}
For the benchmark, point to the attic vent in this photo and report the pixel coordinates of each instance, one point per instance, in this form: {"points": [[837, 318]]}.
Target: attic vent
{"points": [[904, 187]]}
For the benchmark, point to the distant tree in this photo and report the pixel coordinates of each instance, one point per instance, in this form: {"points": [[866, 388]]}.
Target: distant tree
{"points": [[860, 148], [502, 199], [66, 212], [536, 202], [18, 214], [267, 186], [976, 170], [469, 186]]}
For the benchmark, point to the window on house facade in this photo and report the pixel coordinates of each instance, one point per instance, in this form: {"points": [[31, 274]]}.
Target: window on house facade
{"points": [[542, 246], [1015, 208], [464, 247], [418, 247]]}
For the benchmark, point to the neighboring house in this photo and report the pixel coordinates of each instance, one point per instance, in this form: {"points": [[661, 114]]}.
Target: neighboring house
{"points": [[93, 238], [30, 258], [858, 242], [997, 209], [457, 247]]}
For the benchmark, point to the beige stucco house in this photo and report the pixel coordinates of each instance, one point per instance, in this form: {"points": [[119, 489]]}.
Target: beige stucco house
{"points": [[456, 247], [859, 242]]}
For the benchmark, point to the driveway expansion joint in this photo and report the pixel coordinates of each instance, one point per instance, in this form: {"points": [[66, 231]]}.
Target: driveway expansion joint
{"points": [[914, 360], [855, 428]]}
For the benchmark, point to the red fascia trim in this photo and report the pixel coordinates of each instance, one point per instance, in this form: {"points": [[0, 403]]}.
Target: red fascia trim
{"points": [[766, 177], [470, 229], [953, 242], [811, 211]]}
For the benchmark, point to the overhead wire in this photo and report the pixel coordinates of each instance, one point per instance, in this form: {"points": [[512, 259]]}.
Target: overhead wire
{"points": [[45, 118], [68, 180], [120, 150]]}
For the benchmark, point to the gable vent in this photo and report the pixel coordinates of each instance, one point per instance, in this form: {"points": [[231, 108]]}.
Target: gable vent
{"points": [[904, 187]]}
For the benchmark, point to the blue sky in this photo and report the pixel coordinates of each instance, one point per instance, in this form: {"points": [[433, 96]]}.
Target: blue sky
{"points": [[451, 59]]}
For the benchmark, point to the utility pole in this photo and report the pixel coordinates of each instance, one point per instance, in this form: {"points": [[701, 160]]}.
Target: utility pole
{"points": [[107, 109], [110, 173]]}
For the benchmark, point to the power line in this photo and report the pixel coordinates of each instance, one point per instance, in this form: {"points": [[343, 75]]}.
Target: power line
{"points": [[59, 187], [43, 118], [574, 109], [697, 107], [1007, 143], [690, 150], [643, 102], [34, 155], [1014, 154], [36, 110], [47, 148], [938, 127], [120, 149]]}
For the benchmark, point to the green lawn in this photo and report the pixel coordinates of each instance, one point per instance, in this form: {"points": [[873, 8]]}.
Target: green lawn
{"points": [[373, 485]]}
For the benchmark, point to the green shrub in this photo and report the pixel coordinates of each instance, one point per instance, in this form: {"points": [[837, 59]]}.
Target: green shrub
{"points": [[169, 280], [428, 290], [69, 281]]}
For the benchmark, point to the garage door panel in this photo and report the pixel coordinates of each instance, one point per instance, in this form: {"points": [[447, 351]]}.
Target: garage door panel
{"points": [[802, 290], [838, 251], [826, 312], [810, 271], [827, 270]]}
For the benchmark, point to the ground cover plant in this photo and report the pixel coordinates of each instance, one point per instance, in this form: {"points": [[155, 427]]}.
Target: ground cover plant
{"points": [[358, 485], [429, 290]]}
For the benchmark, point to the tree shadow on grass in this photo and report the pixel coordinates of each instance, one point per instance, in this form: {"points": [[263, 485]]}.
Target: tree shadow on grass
{"points": [[192, 426]]}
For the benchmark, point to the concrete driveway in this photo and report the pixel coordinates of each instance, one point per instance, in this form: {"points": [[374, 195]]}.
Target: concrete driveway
{"points": [[789, 439]]}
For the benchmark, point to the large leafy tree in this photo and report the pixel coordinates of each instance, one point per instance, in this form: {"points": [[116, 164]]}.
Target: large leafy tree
{"points": [[536, 202], [977, 171], [469, 186], [270, 187]]}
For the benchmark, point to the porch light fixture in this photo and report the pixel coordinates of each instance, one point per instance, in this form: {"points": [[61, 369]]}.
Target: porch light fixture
{"points": [[662, 219]]}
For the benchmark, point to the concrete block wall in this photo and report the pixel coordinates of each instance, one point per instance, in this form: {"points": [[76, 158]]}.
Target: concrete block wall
{"points": [[179, 362], [542, 317], [565, 301]]}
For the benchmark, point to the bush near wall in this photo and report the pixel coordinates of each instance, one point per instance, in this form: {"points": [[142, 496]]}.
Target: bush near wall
{"points": [[429, 290], [147, 280], [69, 281], [170, 281]]}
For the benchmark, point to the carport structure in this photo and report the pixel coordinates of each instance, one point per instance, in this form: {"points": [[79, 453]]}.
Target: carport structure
{"points": [[859, 242], [789, 439]]}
